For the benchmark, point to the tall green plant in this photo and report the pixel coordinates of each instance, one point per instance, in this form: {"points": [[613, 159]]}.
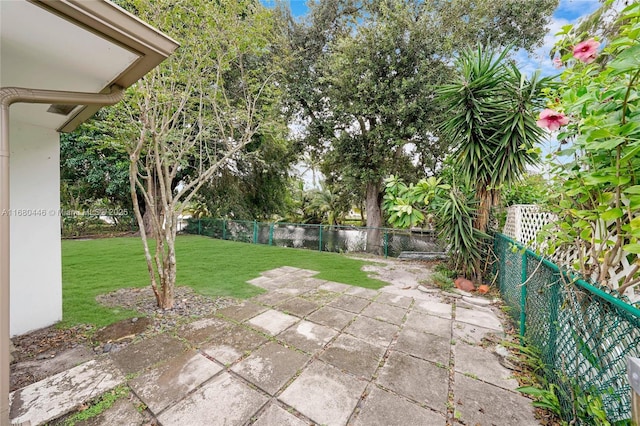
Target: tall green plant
{"points": [[491, 123], [468, 246], [452, 210], [194, 114], [597, 109]]}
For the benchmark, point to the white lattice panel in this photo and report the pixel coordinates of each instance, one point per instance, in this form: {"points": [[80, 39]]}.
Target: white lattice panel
{"points": [[524, 223]]}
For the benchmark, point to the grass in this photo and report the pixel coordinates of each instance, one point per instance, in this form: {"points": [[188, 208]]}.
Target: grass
{"points": [[102, 404], [209, 266]]}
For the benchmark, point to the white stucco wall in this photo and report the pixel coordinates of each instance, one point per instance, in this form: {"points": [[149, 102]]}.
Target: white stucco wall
{"points": [[36, 268]]}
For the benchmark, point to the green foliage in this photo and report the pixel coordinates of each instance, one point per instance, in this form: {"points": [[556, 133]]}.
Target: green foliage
{"points": [[453, 212], [328, 206], [99, 406], [442, 280], [533, 188], [495, 23], [565, 398], [445, 270], [257, 185], [490, 121], [407, 205], [93, 170], [94, 267], [588, 408], [591, 410], [362, 75], [545, 398], [597, 170], [489, 109], [468, 247], [203, 111]]}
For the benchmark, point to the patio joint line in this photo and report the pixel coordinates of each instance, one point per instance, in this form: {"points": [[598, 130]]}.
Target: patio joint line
{"points": [[385, 356], [451, 398]]}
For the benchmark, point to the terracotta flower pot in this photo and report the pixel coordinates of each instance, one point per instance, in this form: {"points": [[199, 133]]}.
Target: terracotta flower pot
{"points": [[464, 284]]}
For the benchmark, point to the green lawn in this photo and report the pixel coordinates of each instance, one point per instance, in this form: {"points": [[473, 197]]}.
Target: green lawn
{"points": [[211, 267]]}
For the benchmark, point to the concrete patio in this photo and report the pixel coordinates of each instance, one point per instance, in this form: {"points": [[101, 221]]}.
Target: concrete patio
{"points": [[306, 352]]}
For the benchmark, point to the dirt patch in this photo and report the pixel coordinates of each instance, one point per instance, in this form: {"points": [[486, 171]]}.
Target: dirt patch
{"points": [[43, 352], [122, 330], [50, 350]]}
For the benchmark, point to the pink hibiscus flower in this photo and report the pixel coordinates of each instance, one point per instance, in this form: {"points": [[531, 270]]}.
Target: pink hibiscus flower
{"points": [[552, 120], [586, 51], [557, 62]]}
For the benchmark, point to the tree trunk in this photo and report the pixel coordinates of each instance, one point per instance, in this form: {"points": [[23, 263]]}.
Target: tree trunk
{"points": [[167, 299], [147, 220], [374, 217], [487, 198]]}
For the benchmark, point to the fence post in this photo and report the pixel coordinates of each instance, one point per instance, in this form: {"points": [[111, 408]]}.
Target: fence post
{"points": [[554, 304], [320, 238], [224, 229], [255, 232], [633, 373], [523, 297], [271, 234], [386, 243]]}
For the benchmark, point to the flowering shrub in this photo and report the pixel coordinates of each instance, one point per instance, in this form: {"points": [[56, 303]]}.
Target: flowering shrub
{"points": [[597, 108], [552, 120], [586, 51]]}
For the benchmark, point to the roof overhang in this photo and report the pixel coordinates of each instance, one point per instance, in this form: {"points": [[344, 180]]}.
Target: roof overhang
{"points": [[73, 45]]}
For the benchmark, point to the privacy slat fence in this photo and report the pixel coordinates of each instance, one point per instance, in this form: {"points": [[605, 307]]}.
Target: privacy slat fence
{"points": [[584, 333]]}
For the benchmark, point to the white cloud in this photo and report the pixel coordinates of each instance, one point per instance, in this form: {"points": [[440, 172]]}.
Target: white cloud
{"points": [[539, 59], [568, 12]]}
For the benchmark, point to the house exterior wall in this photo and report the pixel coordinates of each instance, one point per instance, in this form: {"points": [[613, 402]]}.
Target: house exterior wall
{"points": [[36, 260]]}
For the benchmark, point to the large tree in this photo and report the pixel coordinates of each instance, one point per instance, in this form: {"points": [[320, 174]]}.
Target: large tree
{"points": [[93, 169], [257, 186], [193, 115], [362, 75]]}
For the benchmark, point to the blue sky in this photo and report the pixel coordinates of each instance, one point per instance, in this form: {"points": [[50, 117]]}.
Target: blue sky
{"points": [[568, 12]]}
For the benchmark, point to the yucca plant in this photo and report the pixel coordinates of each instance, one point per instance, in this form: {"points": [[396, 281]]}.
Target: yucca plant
{"points": [[491, 123], [492, 127], [466, 243]]}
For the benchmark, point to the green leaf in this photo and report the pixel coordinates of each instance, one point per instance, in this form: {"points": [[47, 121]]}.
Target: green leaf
{"points": [[631, 154], [612, 214], [632, 248], [586, 351], [593, 180], [598, 134], [606, 145], [627, 61]]}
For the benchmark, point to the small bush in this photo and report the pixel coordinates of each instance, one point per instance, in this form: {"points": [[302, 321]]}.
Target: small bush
{"points": [[442, 280]]}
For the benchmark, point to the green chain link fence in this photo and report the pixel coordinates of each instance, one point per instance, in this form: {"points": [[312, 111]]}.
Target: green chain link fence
{"points": [[342, 239], [584, 334]]}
